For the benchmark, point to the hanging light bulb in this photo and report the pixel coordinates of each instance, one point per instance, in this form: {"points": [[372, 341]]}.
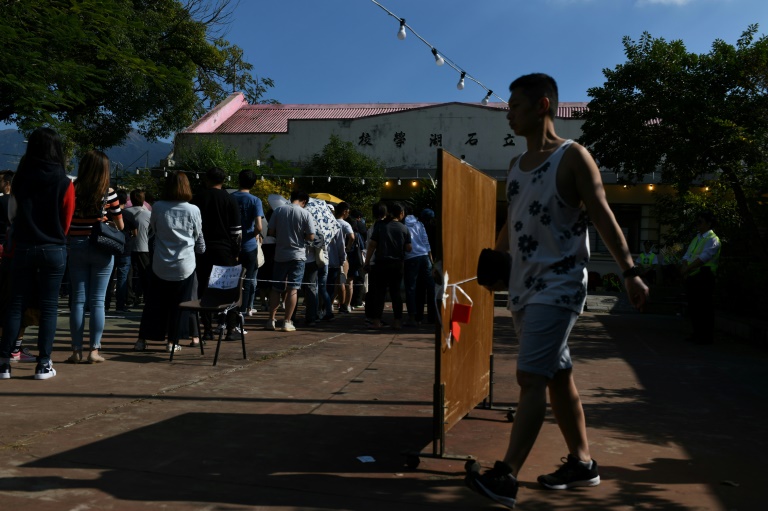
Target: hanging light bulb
{"points": [[137, 171], [460, 85], [398, 182], [197, 176], [166, 173], [487, 97], [262, 177], [293, 180], [329, 179], [363, 181], [401, 33], [438, 59]]}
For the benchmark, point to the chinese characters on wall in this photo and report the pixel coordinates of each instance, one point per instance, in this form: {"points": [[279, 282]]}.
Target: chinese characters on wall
{"points": [[435, 139]]}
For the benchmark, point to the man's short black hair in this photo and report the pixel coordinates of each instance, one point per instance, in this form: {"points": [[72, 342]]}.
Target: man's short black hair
{"points": [[215, 176], [708, 216], [246, 179], [379, 210], [536, 86], [299, 195], [340, 208], [122, 196]]}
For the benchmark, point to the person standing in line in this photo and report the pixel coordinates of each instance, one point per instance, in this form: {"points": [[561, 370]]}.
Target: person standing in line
{"points": [[178, 229], [140, 259], [698, 269], [417, 274], [551, 188], [379, 214], [89, 267], [390, 241], [120, 281], [40, 211], [344, 282], [291, 225], [251, 215], [648, 263], [223, 236]]}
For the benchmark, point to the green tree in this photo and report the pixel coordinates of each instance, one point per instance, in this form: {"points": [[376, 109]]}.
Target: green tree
{"points": [[690, 117], [355, 177], [96, 70]]}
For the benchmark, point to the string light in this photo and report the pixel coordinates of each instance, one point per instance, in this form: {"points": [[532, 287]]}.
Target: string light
{"points": [[440, 59], [329, 179], [398, 182], [487, 97], [363, 181]]}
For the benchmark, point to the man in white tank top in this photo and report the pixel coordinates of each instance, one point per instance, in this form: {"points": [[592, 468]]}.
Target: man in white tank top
{"points": [[554, 190]]}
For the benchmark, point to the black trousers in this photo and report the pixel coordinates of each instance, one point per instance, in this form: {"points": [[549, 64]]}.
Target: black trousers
{"points": [[388, 276], [700, 291]]}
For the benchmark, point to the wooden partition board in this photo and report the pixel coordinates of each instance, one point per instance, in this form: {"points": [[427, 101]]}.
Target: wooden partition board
{"points": [[467, 213]]}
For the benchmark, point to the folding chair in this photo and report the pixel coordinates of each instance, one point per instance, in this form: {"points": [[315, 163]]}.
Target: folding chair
{"points": [[224, 294]]}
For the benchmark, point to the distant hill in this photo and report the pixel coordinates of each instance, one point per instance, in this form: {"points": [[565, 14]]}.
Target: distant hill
{"points": [[136, 151]]}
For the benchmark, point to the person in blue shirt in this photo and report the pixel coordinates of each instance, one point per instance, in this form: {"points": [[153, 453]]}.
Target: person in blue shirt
{"points": [[251, 215]]}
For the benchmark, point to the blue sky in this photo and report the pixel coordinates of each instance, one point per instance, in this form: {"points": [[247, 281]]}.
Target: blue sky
{"points": [[346, 51]]}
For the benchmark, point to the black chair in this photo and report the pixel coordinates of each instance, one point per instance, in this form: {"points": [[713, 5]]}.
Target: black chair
{"points": [[217, 301]]}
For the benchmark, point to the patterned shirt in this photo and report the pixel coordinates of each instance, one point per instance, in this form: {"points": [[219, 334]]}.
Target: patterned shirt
{"points": [[86, 216], [547, 238]]}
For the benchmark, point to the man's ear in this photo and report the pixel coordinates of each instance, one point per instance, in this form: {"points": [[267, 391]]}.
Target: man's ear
{"points": [[544, 105]]}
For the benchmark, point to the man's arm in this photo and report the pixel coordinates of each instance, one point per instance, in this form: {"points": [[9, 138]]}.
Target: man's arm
{"points": [[589, 186]]}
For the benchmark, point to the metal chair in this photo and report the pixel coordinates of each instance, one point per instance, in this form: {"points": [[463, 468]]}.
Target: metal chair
{"points": [[220, 301]]}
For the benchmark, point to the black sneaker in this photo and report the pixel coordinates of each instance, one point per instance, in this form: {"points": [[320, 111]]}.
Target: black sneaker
{"points": [[5, 371], [571, 474], [43, 372], [497, 484]]}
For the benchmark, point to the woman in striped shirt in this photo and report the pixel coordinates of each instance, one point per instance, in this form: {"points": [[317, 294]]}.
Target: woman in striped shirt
{"points": [[89, 268]]}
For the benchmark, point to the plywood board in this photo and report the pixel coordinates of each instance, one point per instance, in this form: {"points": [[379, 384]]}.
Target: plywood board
{"points": [[467, 213]]}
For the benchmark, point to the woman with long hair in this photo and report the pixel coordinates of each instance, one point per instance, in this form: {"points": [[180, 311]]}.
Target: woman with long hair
{"points": [[178, 229], [40, 212], [89, 267]]}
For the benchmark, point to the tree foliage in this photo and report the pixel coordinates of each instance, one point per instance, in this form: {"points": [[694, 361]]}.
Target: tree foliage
{"points": [[690, 117], [347, 168], [95, 70]]}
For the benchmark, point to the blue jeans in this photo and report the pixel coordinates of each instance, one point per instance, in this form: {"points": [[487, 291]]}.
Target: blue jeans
{"points": [[310, 291], [122, 269], [324, 299], [41, 267], [89, 272], [417, 276], [250, 263]]}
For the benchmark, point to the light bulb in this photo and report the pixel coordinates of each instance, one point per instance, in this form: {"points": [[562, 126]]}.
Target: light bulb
{"points": [[413, 183], [487, 97], [398, 182], [197, 176], [137, 171], [460, 85], [401, 33], [293, 180], [438, 59], [329, 179], [363, 181], [262, 177], [166, 173]]}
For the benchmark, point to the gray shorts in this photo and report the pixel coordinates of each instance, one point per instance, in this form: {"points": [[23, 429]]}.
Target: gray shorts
{"points": [[543, 334]]}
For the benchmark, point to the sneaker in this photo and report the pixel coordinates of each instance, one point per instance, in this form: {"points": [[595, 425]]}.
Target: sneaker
{"points": [[288, 327], [43, 372], [271, 324], [343, 309], [571, 474], [497, 484], [23, 355], [170, 347], [5, 371], [236, 330], [252, 312], [140, 345]]}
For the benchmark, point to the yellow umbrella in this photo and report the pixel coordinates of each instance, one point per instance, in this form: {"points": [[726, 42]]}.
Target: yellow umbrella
{"points": [[326, 197]]}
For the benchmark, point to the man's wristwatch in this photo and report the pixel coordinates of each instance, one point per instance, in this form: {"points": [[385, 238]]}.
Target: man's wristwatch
{"points": [[632, 272]]}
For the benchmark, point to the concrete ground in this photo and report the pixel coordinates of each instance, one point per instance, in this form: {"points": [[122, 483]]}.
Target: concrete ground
{"points": [[672, 425]]}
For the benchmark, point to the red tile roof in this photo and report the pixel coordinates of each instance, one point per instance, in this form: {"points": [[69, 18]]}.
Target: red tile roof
{"points": [[236, 116]]}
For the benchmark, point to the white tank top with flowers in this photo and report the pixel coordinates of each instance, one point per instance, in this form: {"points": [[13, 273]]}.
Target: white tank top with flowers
{"points": [[547, 239]]}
